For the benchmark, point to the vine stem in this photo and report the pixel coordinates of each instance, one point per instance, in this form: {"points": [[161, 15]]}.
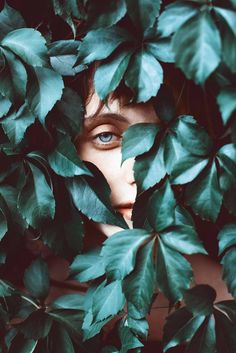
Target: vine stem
{"points": [[30, 301]]}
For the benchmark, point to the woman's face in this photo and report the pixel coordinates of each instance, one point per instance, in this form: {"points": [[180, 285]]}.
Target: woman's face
{"points": [[100, 143]]}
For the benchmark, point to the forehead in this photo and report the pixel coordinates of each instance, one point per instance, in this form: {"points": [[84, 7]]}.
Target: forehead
{"points": [[135, 112]]}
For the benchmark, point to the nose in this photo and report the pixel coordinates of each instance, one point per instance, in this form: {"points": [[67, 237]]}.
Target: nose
{"points": [[127, 171]]}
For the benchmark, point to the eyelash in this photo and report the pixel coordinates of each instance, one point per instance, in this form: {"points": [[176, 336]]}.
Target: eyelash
{"points": [[108, 144]]}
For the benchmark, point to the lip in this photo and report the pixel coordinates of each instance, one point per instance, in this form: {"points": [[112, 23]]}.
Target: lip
{"points": [[126, 210]]}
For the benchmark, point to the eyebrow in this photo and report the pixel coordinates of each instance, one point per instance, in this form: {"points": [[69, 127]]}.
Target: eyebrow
{"points": [[93, 120]]}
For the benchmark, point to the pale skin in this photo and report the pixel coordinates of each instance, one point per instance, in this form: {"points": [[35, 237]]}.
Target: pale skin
{"points": [[100, 143]]}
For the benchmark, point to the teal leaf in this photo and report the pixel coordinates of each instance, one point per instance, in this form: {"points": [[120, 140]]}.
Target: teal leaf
{"points": [[180, 327], [193, 137], [197, 39], [164, 104], [138, 139], [139, 327], [227, 160], [86, 267], [74, 301], [36, 279], [13, 77], [119, 252], [110, 73], [229, 270], [35, 200], [28, 44], [144, 76], [143, 12], [204, 194], [227, 237], [182, 236], [37, 325], [174, 152], [3, 224], [229, 50], [226, 100], [161, 208], [22, 345], [44, 89], [90, 328], [109, 301], [97, 191], [64, 159], [10, 19], [228, 16], [174, 273], [175, 15], [5, 105], [100, 43], [59, 340], [71, 320], [6, 289], [17, 123], [161, 49], [199, 300], [149, 168], [128, 339], [139, 286]]}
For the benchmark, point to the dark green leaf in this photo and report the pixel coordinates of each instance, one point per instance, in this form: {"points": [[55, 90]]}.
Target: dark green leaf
{"points": [[140, 284], [197, 39], [228, 307], [143, 12], [109, 74], [228, 16], [229, 270], [22, 345], [44, 89], [175, 15], [16, 124], [109, 301], [36, 201], [227, 102], [5, 105], [138, 139], [165, 104], [60, 341], [87, 266], [140, 327], [161, 208], [227, 161], [36, 326], [10, 19], [99, 44], [64, 159], [128, 339], [200, 299], [36, 279], [204, 194], [174, 273], [229, 50], [73, 301], [71, 320], [119, 252], [227, 237], [90, 328], [144, 76], [225, 333], [28, 44], [6, 289]]}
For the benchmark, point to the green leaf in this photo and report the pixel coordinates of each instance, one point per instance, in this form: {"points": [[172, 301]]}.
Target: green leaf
{"points": [[229, 308], [90, 328], [71, 320], [36, 326], [161, 49], [229, 50], [138, 139], [139, 327], [139, 286], [100, 43], [164, 104], [128, 339], [6, 289], [35, 200], [5, 105], [144, 76], [226, 100], [227, 161], [13, 77], [174, 273], [3, 224], [143, 12], [106, 14], [204, 194], [44, 89], [73, 301], [200, 299], [149, 169], [227, 237], [228, 16], [36, 279], [175, 15], [64, 159], [28, 44], [119, 252], [229, 270], [59, 340], [22, 345], [182, 236], [87, 266], [180, 327], [109, 301], [193, 137], [197, 39], [225, 333], [110, 73], [97, 191], [10, 19], [161, 208], [16, 124]]}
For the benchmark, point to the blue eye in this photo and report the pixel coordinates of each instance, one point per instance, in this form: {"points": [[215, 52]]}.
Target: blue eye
{"points": [[105, 137]]}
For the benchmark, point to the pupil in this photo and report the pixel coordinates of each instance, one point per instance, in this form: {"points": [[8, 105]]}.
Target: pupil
{"points": [[105, 137]]}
